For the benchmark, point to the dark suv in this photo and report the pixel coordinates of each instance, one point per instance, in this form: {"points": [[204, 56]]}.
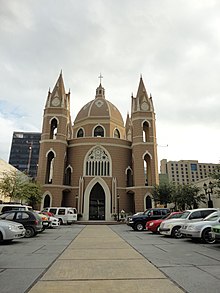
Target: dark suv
{"points": [[30, 220], [138, 222]]}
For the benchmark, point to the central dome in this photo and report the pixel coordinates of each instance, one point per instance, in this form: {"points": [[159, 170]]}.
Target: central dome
{"points": [[99, 108]]}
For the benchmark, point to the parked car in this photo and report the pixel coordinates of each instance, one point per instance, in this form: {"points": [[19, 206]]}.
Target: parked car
{"points": [[172, 227], [66, 215], [10, 231], [215, 232], [154, 225], [201, 230], [4, 207], [54, 222], [45, 219], [138, 222], [30, 220]]}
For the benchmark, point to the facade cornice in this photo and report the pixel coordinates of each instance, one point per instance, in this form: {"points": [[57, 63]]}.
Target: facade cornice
{"points": [[99, 143], [86, 121], [142, 117], [52, 141]]}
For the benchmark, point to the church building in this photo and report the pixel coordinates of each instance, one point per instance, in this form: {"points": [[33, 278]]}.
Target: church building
{"points": [[98, 164]]}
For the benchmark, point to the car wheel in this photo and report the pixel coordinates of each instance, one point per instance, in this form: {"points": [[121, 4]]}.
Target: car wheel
{"points": [[176, 233], [206, 236], [29, 232], [139, 227], [61, 221]]}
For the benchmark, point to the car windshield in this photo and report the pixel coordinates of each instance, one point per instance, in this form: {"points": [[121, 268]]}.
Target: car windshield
{"points": [[184, 215]]}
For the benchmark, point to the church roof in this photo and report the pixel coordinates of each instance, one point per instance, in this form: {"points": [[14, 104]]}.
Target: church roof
{"points": [[100, 108]]}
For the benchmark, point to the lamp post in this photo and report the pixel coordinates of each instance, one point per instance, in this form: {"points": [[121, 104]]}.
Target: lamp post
{"points": [[208, 191], [118, 197], [29, 156]]}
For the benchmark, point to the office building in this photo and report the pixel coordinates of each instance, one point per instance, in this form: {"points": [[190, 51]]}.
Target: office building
{"points": [[186, 171], [25, 152]]}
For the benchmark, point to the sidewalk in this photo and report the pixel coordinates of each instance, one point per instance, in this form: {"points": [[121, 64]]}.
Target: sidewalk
{"points": [[98, 260]]}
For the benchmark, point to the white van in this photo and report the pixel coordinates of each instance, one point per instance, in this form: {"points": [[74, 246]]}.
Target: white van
{"points": [[66, 215], [4, 207]]}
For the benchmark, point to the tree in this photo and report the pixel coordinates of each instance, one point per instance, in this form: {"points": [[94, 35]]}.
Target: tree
{"points": [[216, 176], [11, 183], [187, 197], [19, 186], [162, 193], [31, 193]]}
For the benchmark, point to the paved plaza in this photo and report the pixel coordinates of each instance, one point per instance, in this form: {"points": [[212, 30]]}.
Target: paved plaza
{"points": [[98, 260]]}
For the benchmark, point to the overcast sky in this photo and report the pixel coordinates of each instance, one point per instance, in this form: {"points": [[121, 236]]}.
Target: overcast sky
{"points": [[174, 44]]}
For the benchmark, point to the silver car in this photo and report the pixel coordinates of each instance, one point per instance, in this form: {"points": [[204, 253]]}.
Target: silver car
{"points": [[201, 229], [11, 230]]}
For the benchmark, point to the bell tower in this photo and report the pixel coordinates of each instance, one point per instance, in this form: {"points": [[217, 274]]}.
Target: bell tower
{"points": [[144, 147], [56, 132]]}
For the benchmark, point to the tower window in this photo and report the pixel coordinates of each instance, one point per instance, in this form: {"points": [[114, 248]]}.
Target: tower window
{"points": [[146, 136], [80, 133], [116, 133], [53, 128], [99, 131], [50, 165]]}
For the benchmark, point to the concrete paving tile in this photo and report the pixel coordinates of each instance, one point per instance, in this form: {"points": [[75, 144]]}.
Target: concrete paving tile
{"points": [[212, 270], [18, 280], [192, 278], [107, 286], [107, 244], [29, 261], [100, 254], [102, 269]]}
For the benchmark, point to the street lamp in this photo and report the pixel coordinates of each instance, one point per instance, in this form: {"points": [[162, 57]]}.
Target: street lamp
{"points": [[118, 197], [29, 156], [208, 191]]}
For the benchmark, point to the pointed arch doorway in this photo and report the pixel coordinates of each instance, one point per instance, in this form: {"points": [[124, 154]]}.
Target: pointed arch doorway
{"points": [[97, 203]]}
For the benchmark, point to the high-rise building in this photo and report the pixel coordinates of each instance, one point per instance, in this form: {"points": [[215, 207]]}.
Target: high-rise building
{"points": [[25, 152], [98, 164], [186, 171]]}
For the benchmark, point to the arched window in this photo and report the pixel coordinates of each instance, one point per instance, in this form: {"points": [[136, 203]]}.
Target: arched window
{"points": [[97, 163], [99, 131], [116, 133], [68, 176], [147, 170], [80, 133], [129, 177], [146, 135], [50, 165], [53, 128]]}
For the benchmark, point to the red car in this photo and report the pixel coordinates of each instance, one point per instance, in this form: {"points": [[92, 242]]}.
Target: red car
{"points": [[154, 225]]}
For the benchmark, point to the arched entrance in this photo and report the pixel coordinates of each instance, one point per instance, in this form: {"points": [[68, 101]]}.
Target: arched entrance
{"points": [[46, 201], [148, 202], [97, 203]]}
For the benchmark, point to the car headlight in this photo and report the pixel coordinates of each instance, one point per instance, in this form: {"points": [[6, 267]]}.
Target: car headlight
{"points": [[12, 228], [151, 224]]}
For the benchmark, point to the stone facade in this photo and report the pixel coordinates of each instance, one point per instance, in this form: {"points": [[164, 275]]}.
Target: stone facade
{"points": [[98, 164]]}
